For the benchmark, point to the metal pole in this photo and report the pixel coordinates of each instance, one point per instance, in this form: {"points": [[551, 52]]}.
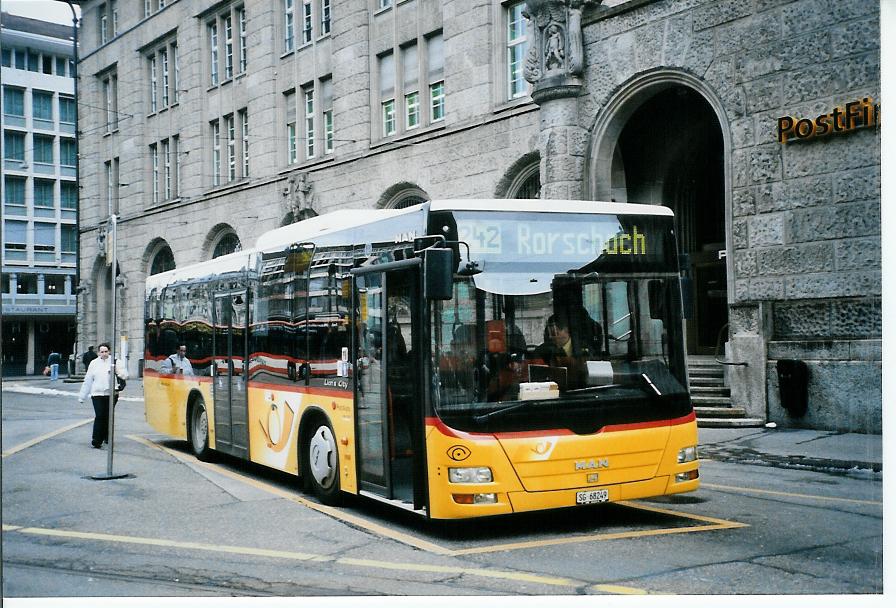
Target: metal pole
{"points": [[112, 246], [113, 340]]}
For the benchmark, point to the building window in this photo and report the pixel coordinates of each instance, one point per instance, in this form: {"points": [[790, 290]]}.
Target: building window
{"points": [[42, 103], [388, 118], [104, 23], [291, 144], [14, 146], [244, 130], [244, 47], [383, 4], [435, 69], [162, 261], [216, 153], [403, 105], [44, 193], [163, 76], [309, 121], [224, 23], [410, 68], [68, 238], [110, 97], [412, 107], [213, 52], [153, 84], [15, 234], [163, 60], [228, 47], [43, 149], [44, 237], [166, 168], [154, 155], [289, 42], [176, 82], [228, 243], [14, 191], [326, 93], [68, 195], [387, 92], [68, 111], [306, 21], [516, 51], [68, 152], [324, 17], [13, 102], [230, 127], [113, 8], [174, 160]]}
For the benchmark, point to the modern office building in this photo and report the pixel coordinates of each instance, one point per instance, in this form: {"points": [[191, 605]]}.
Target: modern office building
{"points": [[206, 123], [40, 193]]}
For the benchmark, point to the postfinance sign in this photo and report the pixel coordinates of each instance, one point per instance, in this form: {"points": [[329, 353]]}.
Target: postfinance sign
{"points": [[853, 115]]}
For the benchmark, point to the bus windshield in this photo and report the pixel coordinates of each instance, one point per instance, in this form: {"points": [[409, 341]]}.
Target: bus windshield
{"points": [[574, 323]]}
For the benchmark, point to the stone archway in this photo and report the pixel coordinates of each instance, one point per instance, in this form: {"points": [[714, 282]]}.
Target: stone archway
{"points": [[664, 139]]}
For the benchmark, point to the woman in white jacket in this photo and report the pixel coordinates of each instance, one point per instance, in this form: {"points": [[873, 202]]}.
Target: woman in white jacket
{"points": [[96, 384]]}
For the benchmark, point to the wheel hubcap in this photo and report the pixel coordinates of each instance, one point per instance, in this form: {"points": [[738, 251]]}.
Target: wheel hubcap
{"points": [[200, 430], [322, 456]]}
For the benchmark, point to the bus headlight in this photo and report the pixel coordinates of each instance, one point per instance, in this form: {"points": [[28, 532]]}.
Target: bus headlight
{"points": [[470, 475], [688, 454]]}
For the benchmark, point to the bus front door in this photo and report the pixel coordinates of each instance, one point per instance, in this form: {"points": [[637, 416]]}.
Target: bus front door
{"points": [[387, 387], [231, 407]]}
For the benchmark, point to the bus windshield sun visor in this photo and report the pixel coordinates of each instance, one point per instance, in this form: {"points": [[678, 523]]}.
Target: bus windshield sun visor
{"points": [[514, 283]]}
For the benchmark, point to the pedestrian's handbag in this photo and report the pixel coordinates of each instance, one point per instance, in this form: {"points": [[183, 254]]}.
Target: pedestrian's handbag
{"points": [[119, 384], [47, 371]]}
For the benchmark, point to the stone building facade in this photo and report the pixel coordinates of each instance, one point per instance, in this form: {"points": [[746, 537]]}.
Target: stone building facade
{"points": [[205, 124]]}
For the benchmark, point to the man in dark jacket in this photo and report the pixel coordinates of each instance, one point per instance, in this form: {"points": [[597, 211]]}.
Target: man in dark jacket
{"points": [[87, 357]]}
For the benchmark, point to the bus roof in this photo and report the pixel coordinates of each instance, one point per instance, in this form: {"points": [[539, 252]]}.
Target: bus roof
{"points": [[548, 206], [316, 229]]}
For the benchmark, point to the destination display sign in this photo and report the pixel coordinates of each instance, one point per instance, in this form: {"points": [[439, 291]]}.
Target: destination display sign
{"points": [[561, 240]]}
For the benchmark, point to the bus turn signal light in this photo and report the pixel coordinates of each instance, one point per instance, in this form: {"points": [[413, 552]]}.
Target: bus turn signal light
{"points": [[475, 499], [687, 476]]}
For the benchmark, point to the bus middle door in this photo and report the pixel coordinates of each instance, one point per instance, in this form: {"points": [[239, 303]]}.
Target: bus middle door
{"points": [[231, 406], [387, 390]]}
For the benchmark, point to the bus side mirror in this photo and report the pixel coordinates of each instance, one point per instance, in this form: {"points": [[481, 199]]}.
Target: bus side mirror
{"points": [[656, 297], [687, 297], [438, 274]]}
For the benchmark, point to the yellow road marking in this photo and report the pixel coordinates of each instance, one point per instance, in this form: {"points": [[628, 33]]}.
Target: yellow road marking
{"points": [[335, 513], [37, 440], [711, 523], [790, 494], [293, 555], [619, 590]]}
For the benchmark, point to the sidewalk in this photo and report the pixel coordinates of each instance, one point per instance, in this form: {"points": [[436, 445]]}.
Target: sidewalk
{"points": [[794, 448], [778, 447]]}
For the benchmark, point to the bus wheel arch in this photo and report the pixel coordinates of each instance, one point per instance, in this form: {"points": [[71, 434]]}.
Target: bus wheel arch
{"points": [[197, 426], [319, 457]]}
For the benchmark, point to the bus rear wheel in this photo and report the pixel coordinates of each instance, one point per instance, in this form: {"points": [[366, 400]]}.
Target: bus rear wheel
{"points": [[199, 430], [321, 462]]}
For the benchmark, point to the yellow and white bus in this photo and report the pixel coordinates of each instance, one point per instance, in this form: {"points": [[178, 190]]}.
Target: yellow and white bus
{"points": [[456, 358]]}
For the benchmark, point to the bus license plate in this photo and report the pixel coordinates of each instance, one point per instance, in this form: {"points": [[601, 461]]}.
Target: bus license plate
{"points": [[592, 496]]}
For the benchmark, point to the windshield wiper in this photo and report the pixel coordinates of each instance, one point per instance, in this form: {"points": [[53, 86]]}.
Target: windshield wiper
{"points": [[481, 418]]}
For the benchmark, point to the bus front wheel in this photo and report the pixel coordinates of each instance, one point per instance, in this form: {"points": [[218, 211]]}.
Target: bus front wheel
{"points": [[321, 462], [199, 430]]}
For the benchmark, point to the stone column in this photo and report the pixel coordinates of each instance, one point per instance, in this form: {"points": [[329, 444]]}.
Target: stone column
{"points": [[554, 66]]}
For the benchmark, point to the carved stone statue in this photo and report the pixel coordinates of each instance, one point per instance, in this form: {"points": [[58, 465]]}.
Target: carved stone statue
{"points": [[556, 52], [299, 196]]}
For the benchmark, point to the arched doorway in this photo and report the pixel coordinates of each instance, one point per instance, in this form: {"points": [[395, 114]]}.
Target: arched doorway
{"points": [[666, 145]]}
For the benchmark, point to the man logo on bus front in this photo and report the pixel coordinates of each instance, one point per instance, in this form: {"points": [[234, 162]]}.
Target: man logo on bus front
{"points": [[594, 463]]}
